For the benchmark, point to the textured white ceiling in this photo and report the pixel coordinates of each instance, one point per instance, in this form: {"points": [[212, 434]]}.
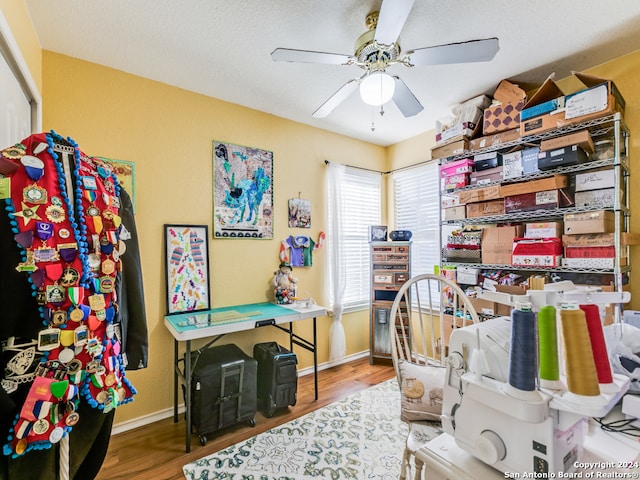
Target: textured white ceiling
{"points": [[221, 48]]}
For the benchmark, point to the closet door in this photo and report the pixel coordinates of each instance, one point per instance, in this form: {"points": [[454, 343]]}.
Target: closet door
{"points": [[19, 99]]}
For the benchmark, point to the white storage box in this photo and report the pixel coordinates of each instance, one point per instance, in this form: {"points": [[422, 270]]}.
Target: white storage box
{"points": [[595, 180], [467, 275]]}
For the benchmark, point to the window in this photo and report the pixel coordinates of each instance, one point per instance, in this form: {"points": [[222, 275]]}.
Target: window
{"points": [[416, 205], [354, 198]]}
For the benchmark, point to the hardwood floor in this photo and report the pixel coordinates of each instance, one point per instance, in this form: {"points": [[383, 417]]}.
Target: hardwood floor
{"points": [[157, 451]]}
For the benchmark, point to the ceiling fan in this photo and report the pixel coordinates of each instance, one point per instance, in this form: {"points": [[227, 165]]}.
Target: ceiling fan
{"points": [[379, 48]]}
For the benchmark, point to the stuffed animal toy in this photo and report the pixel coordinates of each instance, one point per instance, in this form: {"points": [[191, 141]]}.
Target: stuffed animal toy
{"points": [[284, 284]]}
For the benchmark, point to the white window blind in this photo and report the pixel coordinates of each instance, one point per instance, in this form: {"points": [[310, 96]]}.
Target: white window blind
{"points": [[361, 207], [416, 204]]}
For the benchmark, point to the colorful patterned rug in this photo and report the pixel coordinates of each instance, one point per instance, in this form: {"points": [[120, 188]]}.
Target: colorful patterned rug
{"points": [[359, 437]]}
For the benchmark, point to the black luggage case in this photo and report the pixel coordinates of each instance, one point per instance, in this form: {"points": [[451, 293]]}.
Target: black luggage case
{"points": [[277, 377], [223, 389]]}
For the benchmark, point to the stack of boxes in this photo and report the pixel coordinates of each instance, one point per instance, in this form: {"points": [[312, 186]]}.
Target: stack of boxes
{"points": [[490, 184]]}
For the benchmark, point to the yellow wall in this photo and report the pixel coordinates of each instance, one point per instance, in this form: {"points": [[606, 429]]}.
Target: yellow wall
{"points": [[168, 133], [17, 17]]}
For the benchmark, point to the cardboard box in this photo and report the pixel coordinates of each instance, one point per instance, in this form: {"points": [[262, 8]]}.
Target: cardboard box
{"points": [[482, 306], [449, 323], [449, 169], [561, 157], [509, 92], [501, 308], [479, 194], [604, 198], [590, 262], [467, 275], [449, 200], [529, 160], [496, 140], [548, 98], [543, 229], [600, 98], [581, 138], [599, 221], [542, 108], [483, 177], [551, 183], [590, 252], [497, 244], [485, 209], [595, 180], [487, 160], [463, 129], [454, 213], [501, 234], [519, 163], [457, 180], [497, 253], [454, 147], [547, 199], [536, 252], [512, 165], [499, 118], [589, 240], [630, 238]]}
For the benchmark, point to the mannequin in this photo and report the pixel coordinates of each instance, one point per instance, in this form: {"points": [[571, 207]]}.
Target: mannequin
{"points": [[72, 303]]}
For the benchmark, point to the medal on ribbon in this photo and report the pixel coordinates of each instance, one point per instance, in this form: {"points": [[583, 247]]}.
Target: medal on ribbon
{"points": [[76, 295], [44, 230], [33, 166], [68, 251]]}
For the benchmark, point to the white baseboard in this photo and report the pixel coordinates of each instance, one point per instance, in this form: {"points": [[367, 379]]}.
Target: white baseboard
{"points": [[168, 412]]}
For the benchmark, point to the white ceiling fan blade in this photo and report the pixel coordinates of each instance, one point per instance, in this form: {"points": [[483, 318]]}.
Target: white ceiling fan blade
{"points": [[463, 52], [392, 17], [337, 98], [308, 56], [405, 100]]}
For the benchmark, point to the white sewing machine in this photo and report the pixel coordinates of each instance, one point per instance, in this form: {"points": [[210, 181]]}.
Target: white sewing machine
{"points": [[541, 431]]}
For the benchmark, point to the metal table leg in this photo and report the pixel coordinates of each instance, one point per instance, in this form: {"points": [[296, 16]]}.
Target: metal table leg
{"points": [[187, 381]]}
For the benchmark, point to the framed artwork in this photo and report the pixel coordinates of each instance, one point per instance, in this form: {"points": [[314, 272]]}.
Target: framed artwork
{"points": [[299, 213], [126, 173], [377, 233], [187, 268], [242, 192]]}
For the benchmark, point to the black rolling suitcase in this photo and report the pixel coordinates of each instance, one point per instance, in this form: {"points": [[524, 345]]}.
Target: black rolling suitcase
{"points": [[277, 377], [223, 389]]}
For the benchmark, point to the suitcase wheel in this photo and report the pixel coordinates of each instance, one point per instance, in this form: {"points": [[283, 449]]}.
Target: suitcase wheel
{"points": [[203, 440], [252, 422]]}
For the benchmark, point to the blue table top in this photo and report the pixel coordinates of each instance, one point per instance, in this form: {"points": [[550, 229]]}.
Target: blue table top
{"points": [[191, 325]]}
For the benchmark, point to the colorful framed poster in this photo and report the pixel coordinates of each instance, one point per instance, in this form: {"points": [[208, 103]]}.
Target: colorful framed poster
{"points": [[299, 213], [187, 268], [126, 173], [242, 192]]}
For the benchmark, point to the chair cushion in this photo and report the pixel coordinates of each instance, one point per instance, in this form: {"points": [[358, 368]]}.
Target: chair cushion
{"points": [[422, 391]]}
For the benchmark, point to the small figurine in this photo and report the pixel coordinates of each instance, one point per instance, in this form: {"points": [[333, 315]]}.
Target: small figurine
{"points": [[284, 284]]}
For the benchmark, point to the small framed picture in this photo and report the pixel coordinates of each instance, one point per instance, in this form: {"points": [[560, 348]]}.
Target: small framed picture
{"points": [[186, 268], [377, 233]]}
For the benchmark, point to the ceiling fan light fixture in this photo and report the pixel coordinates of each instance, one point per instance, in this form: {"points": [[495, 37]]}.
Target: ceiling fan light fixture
{"points": [[377, 88]]}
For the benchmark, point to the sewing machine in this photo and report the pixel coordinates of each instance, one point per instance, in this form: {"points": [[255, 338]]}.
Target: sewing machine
{"points": [[540, 431]]}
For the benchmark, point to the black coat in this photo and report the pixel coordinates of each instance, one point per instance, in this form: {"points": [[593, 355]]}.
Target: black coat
{"points": [[19, 317]]}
